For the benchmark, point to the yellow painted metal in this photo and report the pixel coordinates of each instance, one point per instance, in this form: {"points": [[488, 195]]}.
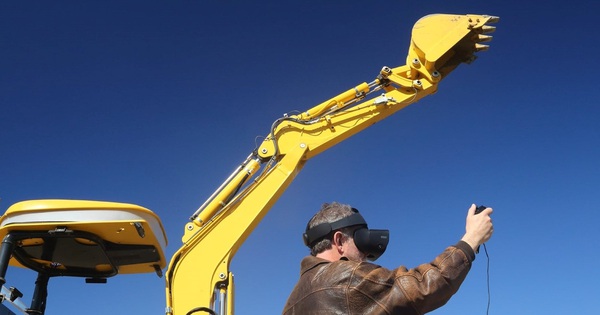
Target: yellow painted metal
{"points": [[76, 215], [230, 295], [202, 263], [221, 199], [331, 129], [440, 42], [335, 103]]}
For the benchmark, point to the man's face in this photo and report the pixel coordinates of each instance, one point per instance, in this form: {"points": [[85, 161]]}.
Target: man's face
{"points": [[351, 251]]}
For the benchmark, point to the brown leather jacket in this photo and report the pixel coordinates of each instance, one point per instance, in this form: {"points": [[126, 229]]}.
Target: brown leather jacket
{"points": [[348, 287]]}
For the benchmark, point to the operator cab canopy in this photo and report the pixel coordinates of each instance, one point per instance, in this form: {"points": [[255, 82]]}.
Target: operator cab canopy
{"points": [[82, 238]]}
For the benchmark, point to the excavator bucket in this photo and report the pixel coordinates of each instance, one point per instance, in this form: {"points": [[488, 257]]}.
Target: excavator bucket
{"points": [[440, 42]]}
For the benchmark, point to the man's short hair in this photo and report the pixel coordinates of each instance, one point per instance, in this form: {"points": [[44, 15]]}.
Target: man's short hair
{"points": [[329, 213]]}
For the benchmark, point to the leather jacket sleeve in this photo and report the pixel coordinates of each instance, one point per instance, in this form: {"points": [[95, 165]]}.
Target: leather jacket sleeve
{"points": [[422, 289], [348, 287]]}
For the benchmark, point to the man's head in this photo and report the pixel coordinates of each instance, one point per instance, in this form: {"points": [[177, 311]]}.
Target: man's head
{"points": [[339, 230]]}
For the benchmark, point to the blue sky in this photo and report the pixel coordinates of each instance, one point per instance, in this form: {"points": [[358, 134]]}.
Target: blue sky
{"points": [[155, 103]]}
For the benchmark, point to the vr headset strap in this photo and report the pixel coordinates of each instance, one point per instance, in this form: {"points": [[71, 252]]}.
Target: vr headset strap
{"points": [[318, 232]]}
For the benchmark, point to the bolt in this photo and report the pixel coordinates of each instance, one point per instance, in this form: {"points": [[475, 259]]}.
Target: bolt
{"points": [[302, 145], [264, 151], [190, 227], [415, 61], [435, 74], [222, 276]]}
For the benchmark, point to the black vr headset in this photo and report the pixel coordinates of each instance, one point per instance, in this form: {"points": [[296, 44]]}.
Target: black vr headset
{"points": [[372, 243]]}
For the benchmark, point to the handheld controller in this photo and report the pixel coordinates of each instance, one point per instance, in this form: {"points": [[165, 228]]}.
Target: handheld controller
{"points": [[479, 209]]}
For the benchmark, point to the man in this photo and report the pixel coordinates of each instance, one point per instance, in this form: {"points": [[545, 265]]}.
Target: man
{"points": [[336, 279]]}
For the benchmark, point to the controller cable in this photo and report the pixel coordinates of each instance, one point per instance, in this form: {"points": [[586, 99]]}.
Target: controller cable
{"points": [[487, 312], [477, 211]]}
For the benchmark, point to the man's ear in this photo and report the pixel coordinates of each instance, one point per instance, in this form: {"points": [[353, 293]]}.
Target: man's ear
{"points": [[338, 241]]}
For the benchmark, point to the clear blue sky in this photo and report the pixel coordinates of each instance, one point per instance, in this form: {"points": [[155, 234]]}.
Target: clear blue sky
{"points": [[155, 103]]}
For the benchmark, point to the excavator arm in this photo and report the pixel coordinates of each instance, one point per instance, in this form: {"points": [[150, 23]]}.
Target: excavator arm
{"points": [[198, 277]]}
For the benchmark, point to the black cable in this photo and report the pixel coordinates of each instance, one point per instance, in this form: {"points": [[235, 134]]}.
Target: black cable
{"points": [[201, 309], [488, 280]]}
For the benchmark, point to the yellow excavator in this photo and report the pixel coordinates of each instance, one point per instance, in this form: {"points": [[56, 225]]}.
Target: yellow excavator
{"points": [[97, 240]]}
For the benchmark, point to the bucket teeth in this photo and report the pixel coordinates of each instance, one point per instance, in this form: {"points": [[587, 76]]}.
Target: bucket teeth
{"points": [[493, 19], [487, 29], [483, 38], [480, 47]]}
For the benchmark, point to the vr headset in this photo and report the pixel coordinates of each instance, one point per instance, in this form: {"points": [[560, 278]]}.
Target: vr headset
{"points": [[372, 243]]}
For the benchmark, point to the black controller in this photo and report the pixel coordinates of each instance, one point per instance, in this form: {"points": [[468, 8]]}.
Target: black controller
{"points": [[479, 209]]}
